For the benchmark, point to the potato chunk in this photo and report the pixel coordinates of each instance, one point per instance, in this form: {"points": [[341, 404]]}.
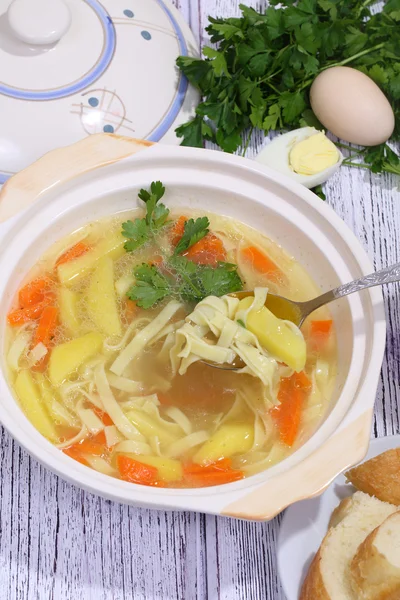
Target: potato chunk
{"points": [[229, 439], [67, 357], [31, 402], [68, 302], [276, 336], [102, 300]]}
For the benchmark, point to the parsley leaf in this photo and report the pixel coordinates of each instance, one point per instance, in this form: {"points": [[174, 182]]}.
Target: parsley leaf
{"points": [[137, 233], [186, 273], [140, 231], [218, 61], [218, 281], [194, 230], [160, 215], [151, 198], [273, 117], [306, 37], [150, 287]]}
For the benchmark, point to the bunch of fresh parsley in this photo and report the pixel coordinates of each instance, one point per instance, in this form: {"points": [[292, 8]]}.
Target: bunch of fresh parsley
{"points": [[177, 276], [260, 74]]}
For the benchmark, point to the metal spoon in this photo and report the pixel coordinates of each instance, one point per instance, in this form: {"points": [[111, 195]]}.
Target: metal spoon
{"points": [[297, 312]]}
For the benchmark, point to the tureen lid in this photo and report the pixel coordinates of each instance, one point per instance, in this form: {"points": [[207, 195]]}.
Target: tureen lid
{"points": [[71, 68]]}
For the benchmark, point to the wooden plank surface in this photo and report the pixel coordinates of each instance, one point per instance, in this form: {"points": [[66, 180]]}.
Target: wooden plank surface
{"points": [[60, 543]]}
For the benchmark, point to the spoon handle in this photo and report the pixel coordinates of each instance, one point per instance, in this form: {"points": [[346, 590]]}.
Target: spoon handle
{"points": [[388, 275]]}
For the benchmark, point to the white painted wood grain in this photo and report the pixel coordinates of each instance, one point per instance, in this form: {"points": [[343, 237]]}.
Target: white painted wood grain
{"points": [[60, 543]]}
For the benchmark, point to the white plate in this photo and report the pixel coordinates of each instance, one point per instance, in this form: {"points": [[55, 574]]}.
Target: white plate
{"points": [[305, 524]]}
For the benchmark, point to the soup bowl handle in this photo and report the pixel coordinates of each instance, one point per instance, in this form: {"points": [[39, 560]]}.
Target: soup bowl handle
{"points": [[343, 450], [61, 165]]}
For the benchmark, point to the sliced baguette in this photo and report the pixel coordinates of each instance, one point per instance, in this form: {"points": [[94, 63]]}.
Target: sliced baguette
{"points": [[375, 568], [341, 511], [328, 577], [379, 476]]}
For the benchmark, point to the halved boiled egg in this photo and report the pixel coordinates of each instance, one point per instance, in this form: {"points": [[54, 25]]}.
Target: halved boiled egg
{"points": [[306, 155]]}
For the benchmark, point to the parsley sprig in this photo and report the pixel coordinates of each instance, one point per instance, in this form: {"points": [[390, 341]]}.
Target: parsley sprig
{"points": [[178, 277], [183, 279], [140, 231], [264, 64]]}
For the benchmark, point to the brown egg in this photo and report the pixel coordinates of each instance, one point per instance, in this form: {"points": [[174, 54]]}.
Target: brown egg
{"points": [[351, 106]]}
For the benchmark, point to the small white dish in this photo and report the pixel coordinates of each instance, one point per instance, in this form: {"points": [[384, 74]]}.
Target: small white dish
{"points": [[305, 524]]}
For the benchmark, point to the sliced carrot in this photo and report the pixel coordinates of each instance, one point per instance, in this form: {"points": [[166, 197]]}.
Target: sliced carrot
{"points": [[47, 326], [99, 438], [74, 453], [45, 333], [321, 327], [91, 447], [288, 415], [214, 478], [212, 474], [130, 309], [320, 332], [291, 395], [208, 251], [136, 472], [24, 315], [195, 469], [261, 262], [30, 313], [103, 416], [74, 252], [34, 292], [177, 230], [95, 445]]}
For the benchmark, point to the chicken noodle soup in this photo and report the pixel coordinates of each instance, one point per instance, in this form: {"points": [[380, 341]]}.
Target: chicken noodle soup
{"points": [[107, 337]]}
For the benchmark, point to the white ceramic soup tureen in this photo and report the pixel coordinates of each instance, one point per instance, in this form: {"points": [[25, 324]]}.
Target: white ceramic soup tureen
{"points": [[101, 175], [72, 68]]}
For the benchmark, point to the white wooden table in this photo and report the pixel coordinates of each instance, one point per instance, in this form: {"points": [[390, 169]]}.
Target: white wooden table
{"points": [[60, 543]]}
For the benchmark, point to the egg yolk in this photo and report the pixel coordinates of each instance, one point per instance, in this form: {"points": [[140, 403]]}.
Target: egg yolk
{"points": [[313, 155]]}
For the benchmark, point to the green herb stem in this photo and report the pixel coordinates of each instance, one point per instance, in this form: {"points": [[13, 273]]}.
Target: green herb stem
{"points": [[344, 146], [349, 163], [390, 169], [264, 79], [354, 57], [269, 84], [342, 63], [246, 146]]}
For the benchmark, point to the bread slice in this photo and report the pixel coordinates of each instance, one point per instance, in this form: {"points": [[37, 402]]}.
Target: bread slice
{"points": [[375, 568], [341, 511], [379, 476], [328, 576]]}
